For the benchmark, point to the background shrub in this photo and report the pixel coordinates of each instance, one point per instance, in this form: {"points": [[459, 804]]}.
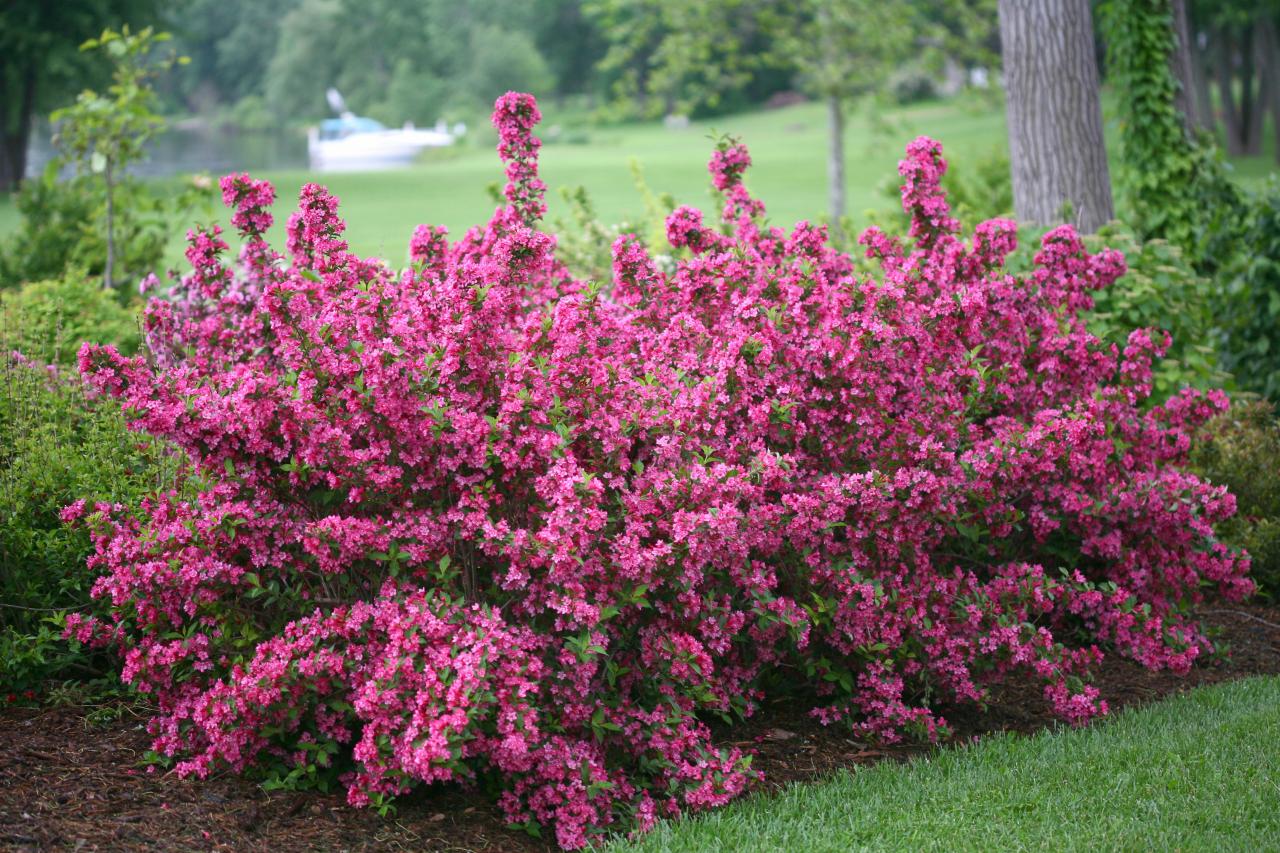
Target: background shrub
{"points": [[911, 84], [48, 320], [1242, 452], [61, 227], [1162, 290], [57, 447], [1250, 276]]}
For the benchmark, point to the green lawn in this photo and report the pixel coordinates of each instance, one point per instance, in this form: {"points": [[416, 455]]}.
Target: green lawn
{"points": [[1196, 772], [788, 147]]}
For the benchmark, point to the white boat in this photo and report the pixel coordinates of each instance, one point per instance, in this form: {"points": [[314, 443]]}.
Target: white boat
{"points": [[353, 143]]}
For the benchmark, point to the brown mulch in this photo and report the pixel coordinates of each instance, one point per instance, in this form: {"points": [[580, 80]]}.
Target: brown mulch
{"points": [[68, 784]]}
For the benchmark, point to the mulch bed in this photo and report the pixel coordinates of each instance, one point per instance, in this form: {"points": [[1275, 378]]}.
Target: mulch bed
{"points": [[66, 784]]}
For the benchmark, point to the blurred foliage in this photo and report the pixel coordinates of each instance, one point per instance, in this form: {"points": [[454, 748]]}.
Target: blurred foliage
{"points": [[395, 60], [1242, 452], [503, 60], [419, 60], [1251, 273], [689, 58], [693, 58], [911, 84]]}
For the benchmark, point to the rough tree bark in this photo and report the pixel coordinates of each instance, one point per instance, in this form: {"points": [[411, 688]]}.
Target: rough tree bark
{"points": [[835, 157], [1054, 113]]}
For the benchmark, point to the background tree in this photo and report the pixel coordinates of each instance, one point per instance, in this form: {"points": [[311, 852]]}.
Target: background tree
{"points": [[1159, 156], [1054, 113], [40, 63], [844, 49], [1190, 101], [1238, 58], [1269, 42], [396, 60], [230, 43], [104, 132], [668, 55]]}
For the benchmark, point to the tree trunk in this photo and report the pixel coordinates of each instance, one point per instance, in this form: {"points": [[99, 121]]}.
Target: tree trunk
{"points": [[835, 157], [108, 280], [1253, 96], [1270, 45], [1224, 58], [14, 137], [1184, 69], [8, 179], [1242, 108], [1201, 60], [835, 116], [1054, 113]]}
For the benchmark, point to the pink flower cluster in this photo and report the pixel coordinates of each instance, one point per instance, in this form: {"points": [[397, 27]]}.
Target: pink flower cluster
{"points": [[478, 519]]}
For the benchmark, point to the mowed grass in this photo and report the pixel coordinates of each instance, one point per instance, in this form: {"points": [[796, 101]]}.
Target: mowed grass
{"points": [[1199, 771], [788, 147], [789, 171]]}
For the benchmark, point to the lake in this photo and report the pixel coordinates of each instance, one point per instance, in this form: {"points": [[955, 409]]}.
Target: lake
{"points": [[195, 148]]}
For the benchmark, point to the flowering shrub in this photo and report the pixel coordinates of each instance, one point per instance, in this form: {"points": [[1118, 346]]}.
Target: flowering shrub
{"points": [[477, 521]]}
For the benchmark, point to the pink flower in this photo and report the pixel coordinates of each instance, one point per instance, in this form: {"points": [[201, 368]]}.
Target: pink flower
{"points": [[478, 518], [73, 511]]}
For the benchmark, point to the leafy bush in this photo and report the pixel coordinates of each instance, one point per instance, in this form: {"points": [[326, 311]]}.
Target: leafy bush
{"points": [[1252, 278], [1242, 452], [1175, 186], [584, 243], [61, 226], [480, 521], [52, 318], [911, 84], [57, 447], [1162, 290], [983, 190]]}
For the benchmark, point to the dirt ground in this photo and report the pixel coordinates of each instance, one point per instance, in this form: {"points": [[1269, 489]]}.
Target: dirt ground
{"points": [[69, 784]]}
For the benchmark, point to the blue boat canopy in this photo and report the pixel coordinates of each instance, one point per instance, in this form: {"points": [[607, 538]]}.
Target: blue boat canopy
{"points": [[335, 128]]}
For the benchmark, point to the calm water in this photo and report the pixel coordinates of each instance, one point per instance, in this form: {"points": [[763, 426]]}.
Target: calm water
{"points": [[188, 151]]}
